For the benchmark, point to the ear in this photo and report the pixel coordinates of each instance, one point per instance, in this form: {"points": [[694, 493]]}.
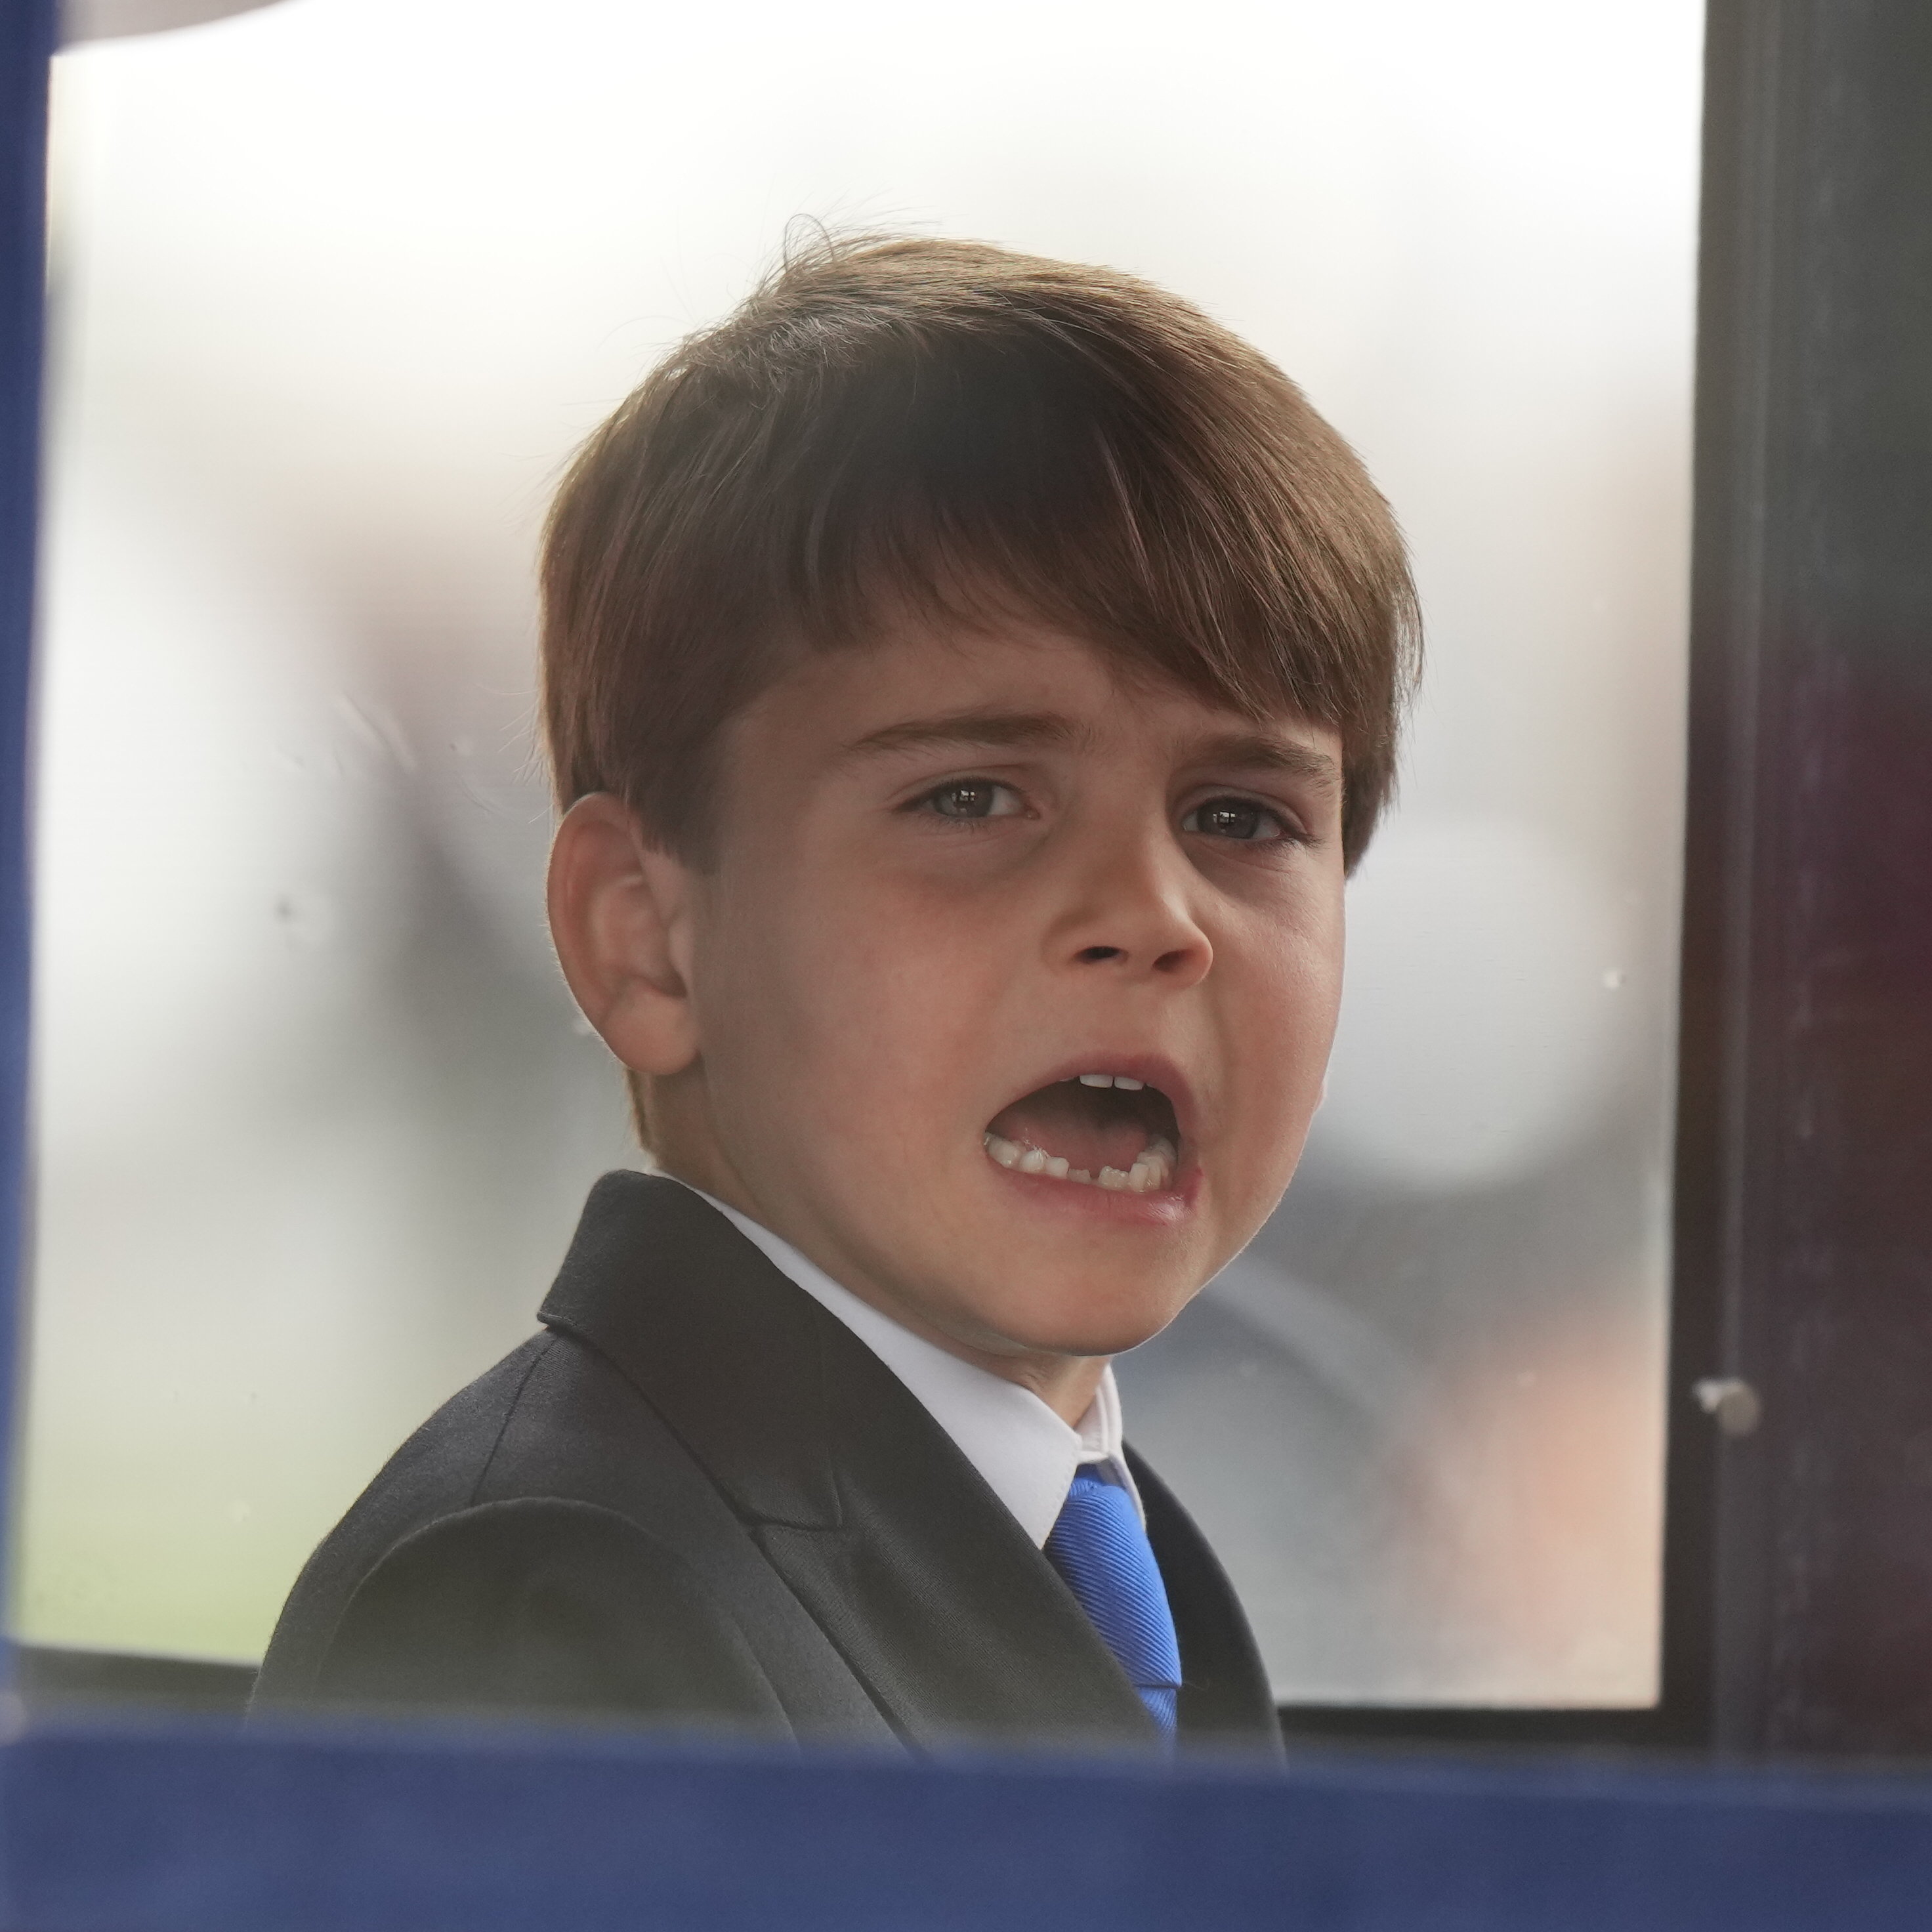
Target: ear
{"points": [[620, 912]]}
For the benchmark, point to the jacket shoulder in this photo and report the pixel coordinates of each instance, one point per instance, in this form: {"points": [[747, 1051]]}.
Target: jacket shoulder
{"points": [[543, 1604], [435, 1472]]}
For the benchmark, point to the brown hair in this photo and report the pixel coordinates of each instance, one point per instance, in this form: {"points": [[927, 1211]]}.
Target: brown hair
{"points": [[953, 426], [958, 429]]}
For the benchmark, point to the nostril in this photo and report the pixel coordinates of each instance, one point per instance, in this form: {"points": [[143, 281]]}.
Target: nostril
{"points": [[1093, 955]]}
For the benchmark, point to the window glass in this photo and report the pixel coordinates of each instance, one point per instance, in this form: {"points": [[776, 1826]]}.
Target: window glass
{"points": [[337, 285]]}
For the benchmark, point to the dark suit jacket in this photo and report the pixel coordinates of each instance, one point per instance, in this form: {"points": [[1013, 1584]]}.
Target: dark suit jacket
{"points": [[699, 1498]]}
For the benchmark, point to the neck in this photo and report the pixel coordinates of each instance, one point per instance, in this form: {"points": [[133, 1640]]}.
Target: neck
{"points": [[1066, 1383]]}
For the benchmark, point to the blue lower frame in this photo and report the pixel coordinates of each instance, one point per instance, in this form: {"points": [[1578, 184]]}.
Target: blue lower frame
{"points": [[145, 1827], [166, 1828]]}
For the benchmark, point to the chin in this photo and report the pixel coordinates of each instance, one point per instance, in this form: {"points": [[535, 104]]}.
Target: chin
{"points": [[1101, 1325]]}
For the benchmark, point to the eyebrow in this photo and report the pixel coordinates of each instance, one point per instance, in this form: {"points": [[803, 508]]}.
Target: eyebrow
{"points": [[1004, 728], [1262, 750], [1252, 750]]}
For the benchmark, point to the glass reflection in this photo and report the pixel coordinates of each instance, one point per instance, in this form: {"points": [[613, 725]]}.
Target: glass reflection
{"points": [[315, 1118]]}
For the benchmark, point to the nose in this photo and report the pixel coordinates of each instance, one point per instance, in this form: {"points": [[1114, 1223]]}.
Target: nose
{"points": [[1127, 914]]}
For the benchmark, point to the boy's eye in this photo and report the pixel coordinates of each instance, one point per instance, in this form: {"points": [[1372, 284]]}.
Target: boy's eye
{"points": [[1238, 818], [972, 798]]}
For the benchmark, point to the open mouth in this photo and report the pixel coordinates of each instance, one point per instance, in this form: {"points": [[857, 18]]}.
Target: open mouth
{"points": [[1096, 1130]]}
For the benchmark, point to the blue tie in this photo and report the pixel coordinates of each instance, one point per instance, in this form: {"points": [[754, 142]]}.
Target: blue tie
{"points": [[1103, 1555]]}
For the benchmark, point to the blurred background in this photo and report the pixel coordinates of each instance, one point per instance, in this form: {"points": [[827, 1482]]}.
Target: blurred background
{"points": [[337, 285]]}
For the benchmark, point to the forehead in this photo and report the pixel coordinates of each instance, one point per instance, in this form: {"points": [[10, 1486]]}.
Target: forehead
{"points": [[1019, 684]]}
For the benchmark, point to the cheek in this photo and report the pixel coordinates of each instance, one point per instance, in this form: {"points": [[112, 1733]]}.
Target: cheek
{"points": [[1322, 982], [845, 1003], [1287, 1022]]}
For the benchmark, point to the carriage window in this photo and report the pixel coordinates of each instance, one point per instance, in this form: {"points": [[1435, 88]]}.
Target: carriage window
{"points": [[337, 287]]}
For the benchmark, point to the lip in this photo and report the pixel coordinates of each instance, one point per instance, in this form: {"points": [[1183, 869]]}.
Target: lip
{"points": [[1152, 1069]]}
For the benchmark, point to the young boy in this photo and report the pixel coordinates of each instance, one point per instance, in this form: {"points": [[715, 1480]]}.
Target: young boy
{"points": [[968, 679]]}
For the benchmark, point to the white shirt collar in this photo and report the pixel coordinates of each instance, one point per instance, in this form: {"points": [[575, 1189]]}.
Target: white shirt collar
{"points": [[1025, 1452]]}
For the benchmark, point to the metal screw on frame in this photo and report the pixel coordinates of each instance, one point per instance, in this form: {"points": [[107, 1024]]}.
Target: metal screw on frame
{"points": [[1736, 1406]]}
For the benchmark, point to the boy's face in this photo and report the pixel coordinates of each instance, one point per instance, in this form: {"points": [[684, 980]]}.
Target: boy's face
{"points": [[952, 876]]}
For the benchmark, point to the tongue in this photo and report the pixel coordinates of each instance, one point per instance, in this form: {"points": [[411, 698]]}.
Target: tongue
{"points": [[1058, 1121]]}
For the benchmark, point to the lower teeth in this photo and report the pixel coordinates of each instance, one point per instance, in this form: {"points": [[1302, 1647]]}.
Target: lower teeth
{"points": [[1148, 1175]]}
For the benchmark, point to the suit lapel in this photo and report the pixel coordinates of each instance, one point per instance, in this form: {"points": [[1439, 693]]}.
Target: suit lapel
{"points": [[936, 1597], [1225, 1697], [890, 1539], [725, 1349]]}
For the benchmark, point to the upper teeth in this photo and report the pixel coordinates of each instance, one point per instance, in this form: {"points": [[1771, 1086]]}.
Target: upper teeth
{"points": [[1111, 1080]]}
